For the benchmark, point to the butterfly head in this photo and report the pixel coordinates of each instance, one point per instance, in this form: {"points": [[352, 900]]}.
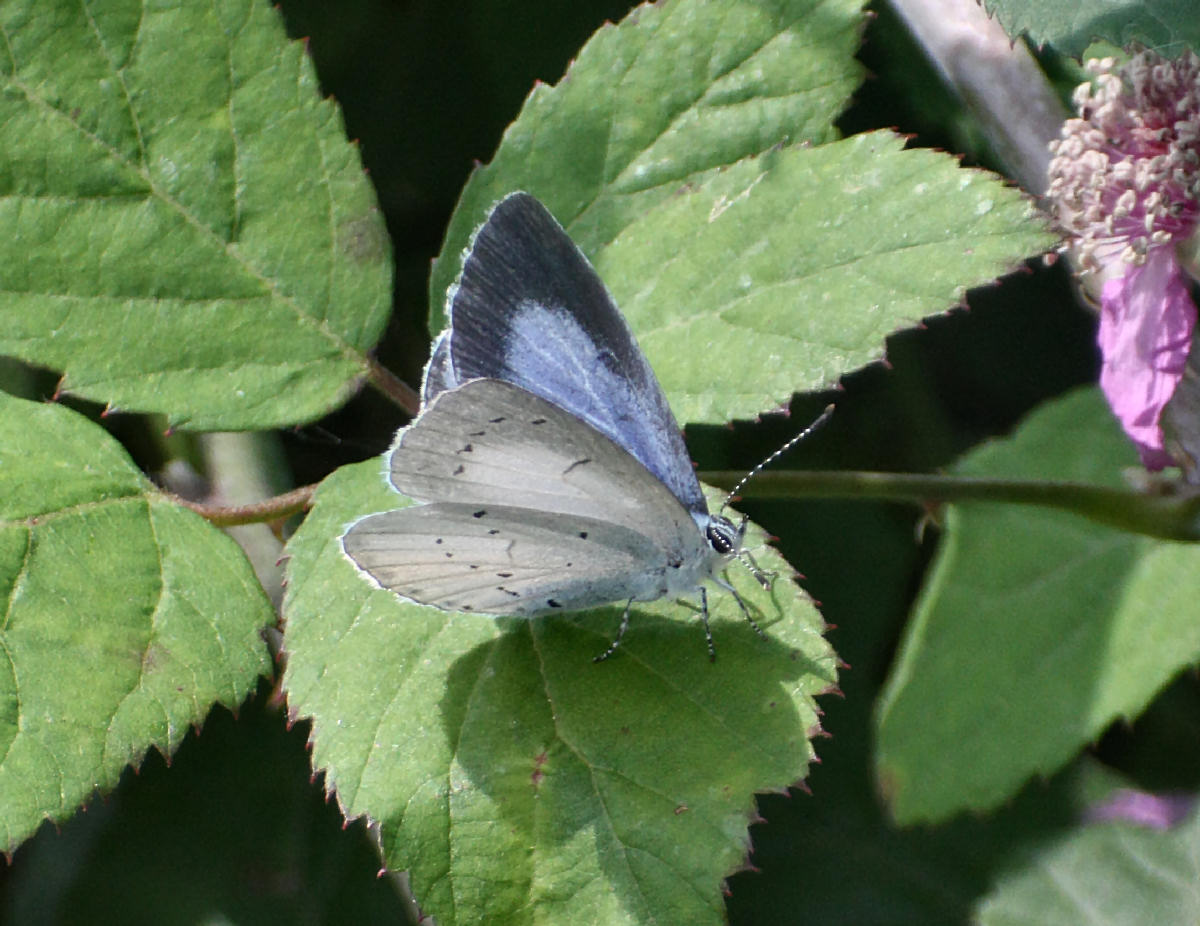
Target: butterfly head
{"points": [[724, 536], [725, 539]]}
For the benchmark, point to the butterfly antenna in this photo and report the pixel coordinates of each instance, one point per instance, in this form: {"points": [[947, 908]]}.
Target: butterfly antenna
{"points": [[776, 454]]}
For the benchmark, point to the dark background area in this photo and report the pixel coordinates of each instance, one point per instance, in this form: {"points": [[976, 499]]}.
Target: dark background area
{"points": [[235, 829]]}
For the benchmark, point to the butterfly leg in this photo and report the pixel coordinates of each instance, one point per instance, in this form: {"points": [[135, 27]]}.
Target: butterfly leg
{"points": [[712, 652], [764, 578], [612, 647], [741, 604]]}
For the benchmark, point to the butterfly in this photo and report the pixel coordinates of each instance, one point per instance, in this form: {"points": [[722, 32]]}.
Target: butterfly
{"points": [[549, 470]]}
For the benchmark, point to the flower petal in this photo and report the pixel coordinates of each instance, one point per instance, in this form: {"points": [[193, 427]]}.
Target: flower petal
{"points": [[1146, 322]]}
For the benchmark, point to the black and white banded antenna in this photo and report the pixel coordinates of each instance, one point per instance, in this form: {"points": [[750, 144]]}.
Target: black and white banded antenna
{"points": [[776, 454], [764, 578]]}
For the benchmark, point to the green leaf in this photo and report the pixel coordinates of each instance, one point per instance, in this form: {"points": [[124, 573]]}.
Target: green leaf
{"points": [[718, 249], [1107, 873], [784, 272], [126, 616], [1035, 629], [508, 773], [187, 229], [804, 258], [670, 94], [1167, 26]]}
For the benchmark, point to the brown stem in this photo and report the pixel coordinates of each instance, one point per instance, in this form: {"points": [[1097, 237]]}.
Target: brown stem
{"points": [[393, 387], [271, 509]]}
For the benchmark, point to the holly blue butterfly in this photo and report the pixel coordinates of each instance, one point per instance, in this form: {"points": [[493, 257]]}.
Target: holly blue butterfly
{"points": [[549, 470]]}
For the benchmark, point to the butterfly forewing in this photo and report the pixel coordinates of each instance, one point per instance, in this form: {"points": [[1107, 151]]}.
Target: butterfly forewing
{"points": [[530, 310], [490, 442]]}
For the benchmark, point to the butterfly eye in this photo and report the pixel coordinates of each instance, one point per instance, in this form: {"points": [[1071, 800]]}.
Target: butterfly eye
{"points": [[722, 536]]}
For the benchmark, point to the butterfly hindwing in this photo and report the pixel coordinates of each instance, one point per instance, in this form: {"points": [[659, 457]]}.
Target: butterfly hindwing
{"points": [[501, 560], [529, 309]]}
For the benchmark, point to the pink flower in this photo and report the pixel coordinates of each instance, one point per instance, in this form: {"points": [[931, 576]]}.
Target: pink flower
{"points": [[1125, 178]]}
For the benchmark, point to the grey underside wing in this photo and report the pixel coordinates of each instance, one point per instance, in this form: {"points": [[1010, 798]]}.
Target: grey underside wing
{"points": [[530, 510]]}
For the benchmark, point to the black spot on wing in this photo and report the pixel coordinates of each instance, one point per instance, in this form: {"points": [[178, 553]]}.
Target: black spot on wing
{"points": [[467, 448], [583, 535], [551, 603], [479, 514]]}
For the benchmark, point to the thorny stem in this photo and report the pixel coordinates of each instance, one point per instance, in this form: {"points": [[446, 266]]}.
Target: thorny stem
{"points": [[393, 387], [271, 509], [1168, 515]]}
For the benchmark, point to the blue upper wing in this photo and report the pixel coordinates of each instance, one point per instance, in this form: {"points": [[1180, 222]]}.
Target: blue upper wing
{"points": [[530, 310]]}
